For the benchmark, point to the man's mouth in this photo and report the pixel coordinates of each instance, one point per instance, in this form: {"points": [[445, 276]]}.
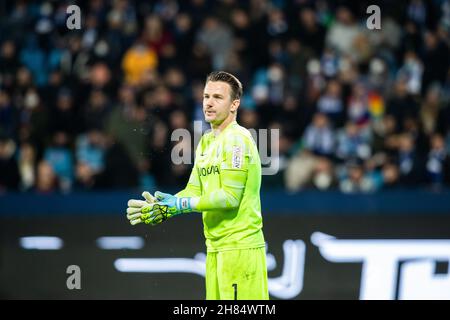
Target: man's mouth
{"points": [[209, 112]]}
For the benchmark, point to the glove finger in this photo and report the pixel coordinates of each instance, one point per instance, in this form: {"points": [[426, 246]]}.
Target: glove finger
{"points": [[157, 218], [132, 216], [133, 210], [148, 197], [135, 221], [137, 203], [147, 208], [161, 195]]}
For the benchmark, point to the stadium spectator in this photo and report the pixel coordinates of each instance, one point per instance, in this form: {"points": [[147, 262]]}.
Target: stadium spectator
{"points": [[90, 157], [9, 63], [27, 166], [183, 33], [402, 104], [435, 59], [356, 181], [96, 111], [217, 38], [137, 61], [438, 163], [33, 57], [60, 157], [130, 128], [390, 176], [318, 147], [119, 171], [352, 142], [9, 172], [330, 103], [319, 136], [64, 117], [74, 60], [46, 181], [410, 162], [344, 32], [430, 108], [8, 115], [132, 74], [358, 105], [297, 57], [310, 32]]}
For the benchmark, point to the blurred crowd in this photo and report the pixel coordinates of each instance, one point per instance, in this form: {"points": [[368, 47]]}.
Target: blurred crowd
{"points": [[358, 110]]}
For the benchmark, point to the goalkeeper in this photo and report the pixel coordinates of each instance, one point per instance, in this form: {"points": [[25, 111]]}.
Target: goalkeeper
{"points": [[224, 185]]}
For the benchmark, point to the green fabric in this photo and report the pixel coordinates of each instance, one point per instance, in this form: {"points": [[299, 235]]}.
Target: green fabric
{"points": [[237, 274], [226, 178]]}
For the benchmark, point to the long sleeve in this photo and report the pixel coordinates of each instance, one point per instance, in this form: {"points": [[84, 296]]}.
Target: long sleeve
{"points": [[227, 197], [232, 178], [193, 187]]}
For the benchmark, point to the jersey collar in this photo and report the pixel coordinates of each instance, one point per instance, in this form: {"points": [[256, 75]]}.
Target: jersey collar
{"points": [[231, 124]]}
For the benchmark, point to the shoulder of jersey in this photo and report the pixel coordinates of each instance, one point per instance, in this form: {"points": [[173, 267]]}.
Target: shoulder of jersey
{"points": [[206, 135], [238, 129]]}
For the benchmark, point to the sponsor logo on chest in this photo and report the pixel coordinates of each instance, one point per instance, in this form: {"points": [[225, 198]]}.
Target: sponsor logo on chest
{"points": [[206, 171]]}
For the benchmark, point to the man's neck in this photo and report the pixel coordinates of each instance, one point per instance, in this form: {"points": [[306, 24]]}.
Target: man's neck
{"points": [[219, 128]]}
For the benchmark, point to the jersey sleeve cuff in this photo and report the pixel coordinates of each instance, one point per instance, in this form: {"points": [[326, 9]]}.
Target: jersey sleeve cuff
{"points": [[194, 203]]}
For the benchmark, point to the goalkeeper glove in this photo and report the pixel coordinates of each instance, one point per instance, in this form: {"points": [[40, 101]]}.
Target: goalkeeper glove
{"points": [[172, 204], [152, 212], [135, 207]]}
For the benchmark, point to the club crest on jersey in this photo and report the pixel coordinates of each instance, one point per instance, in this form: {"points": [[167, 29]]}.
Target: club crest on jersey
{"points": [[209, 170], [236, 160]]}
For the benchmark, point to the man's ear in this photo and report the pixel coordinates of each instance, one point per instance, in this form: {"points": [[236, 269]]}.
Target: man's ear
{"points": [[235, 105]]}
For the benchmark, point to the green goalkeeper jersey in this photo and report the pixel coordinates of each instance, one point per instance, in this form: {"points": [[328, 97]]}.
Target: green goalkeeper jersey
{"points": [[226, 178]]}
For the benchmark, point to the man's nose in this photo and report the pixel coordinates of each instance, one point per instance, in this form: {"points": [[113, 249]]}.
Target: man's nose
{"points": [[208, 102]]}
